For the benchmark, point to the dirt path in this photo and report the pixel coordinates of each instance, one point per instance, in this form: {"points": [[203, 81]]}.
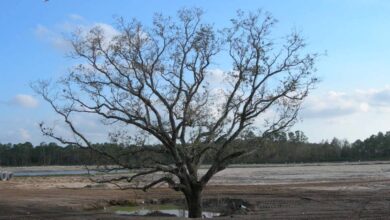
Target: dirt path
{"points": [[357, 199]]}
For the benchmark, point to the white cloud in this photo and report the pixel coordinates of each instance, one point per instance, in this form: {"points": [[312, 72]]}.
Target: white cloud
{"points": [[364, 107], [108, 30], [89, 125], [24, 135], [376, 97], [336, 104], [56, 39], [41, 30], [76, 17], [57, 36], [25, 101], [215, 76]]}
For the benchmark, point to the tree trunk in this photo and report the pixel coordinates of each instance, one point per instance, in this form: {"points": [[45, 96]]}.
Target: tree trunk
{"points": [[194, 203]]}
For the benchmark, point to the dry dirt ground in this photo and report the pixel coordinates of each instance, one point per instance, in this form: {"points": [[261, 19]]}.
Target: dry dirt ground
{"points": [[75, 197]]}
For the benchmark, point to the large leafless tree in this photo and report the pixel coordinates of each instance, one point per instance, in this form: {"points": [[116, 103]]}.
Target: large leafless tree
{"points": [[161, 81]]}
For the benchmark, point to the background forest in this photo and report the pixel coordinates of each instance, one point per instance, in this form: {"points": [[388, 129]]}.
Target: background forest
{"points": [[291, 147]]}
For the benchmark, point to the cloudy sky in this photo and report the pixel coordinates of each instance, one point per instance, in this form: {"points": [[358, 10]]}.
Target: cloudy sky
{"points": [[351, 102]]}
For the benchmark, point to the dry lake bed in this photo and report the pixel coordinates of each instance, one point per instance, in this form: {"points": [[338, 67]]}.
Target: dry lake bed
{"points": [[358, 190]]}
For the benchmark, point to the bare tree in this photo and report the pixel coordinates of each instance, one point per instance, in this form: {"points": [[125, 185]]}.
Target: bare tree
{"points": [[158, 81]]}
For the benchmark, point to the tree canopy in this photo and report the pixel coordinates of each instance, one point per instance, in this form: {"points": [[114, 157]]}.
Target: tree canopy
{"points": [[155, 81]]}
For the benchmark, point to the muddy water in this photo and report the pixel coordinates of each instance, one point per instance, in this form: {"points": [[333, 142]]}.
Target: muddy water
{"points": [[157, 210], [51, 173], [58, 171]]}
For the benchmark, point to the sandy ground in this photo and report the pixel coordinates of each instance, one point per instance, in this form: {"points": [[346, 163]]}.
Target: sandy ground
{"points": [[330, 191]]}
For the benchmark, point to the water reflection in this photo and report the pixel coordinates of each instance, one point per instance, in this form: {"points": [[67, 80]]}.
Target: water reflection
{"points": [[160, 211]]}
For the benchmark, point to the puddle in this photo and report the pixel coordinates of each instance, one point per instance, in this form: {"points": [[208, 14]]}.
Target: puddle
{"points": [[157, 210]]}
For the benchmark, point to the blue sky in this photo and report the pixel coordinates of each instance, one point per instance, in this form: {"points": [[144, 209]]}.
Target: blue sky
{"points": [[352, 101]]}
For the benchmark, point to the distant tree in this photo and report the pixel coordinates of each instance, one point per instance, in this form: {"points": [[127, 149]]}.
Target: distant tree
{"points": [[297, 137], [156, 81], [23, 153]]}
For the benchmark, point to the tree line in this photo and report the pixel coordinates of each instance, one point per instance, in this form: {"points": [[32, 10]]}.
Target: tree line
{"points": [[293, 147], [283, 147]]}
